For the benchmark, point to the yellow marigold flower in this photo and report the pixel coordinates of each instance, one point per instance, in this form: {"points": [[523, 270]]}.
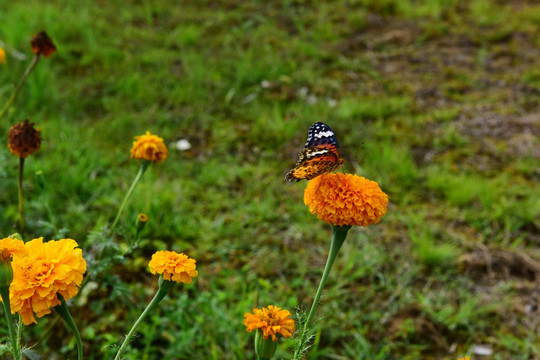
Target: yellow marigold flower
{"points": [[23, 139], [149, 147], [271, 320], [2, 56], [51, 268], [42, 44], [13, 246], [345, 199], [174, 266]]}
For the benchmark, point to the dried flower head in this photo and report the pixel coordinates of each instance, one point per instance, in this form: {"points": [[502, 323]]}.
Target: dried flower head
{"points": [[271, 320], [173, 266], [346, 199], [23, 139], [149, 147], [2, 56], [42, 44], [51, 268]]}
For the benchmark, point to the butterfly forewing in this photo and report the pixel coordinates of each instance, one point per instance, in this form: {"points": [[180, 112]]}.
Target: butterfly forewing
{"points": [[320, 134]]}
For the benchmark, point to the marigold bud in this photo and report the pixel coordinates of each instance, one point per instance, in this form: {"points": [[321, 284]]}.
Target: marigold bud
{"points": [[6, 271], [264, 348], [23, 139], [141, 221], [42, 44], [2, 56]]}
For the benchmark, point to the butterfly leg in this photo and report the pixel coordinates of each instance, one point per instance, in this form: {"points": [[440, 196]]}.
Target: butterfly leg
{"points": [[316, 191]]}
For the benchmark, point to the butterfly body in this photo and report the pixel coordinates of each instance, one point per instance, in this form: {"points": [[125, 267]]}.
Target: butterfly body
{"points": [[320, 154]]}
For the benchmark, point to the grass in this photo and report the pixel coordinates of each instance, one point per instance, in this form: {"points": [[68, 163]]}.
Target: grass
{"points": [[436, 101]]}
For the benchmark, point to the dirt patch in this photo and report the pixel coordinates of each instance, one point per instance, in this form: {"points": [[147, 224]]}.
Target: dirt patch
{"points": [[497, 264]]}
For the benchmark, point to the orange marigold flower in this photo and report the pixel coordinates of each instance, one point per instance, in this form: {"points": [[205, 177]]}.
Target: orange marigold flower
{"points": [[271, 320], [23, 139], [174, 266], [2, 56], [42, 44], [348, 199], [51, 268], [149, 147], [13, 246]]}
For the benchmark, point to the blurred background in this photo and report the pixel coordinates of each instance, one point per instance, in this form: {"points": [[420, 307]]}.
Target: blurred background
{"points": [[437, 101]]}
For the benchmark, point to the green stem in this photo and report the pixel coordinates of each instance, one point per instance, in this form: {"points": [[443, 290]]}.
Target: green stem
{"points": [[142, 169], [338, 238], [4, 292], [19, 330], [21, 171], [164, 287], [20, 85], [63, 311]]}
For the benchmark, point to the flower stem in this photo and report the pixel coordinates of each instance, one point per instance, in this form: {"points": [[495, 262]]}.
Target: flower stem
{"points": [[338, 238], [63, 311], [21, 171], [142, 169], [4, 292], [31, 67], [164, 287]]}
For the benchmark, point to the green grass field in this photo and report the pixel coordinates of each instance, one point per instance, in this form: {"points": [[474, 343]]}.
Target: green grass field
{"points": [[437, 101]]}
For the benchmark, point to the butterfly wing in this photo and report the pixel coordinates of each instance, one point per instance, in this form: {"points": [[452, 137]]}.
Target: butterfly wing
{"points": [[320, 135], [320, 155], [313, 162]]}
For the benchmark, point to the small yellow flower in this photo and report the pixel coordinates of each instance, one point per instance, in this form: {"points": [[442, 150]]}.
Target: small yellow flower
{"points": [[48, 269], [42, 44], [271, 320], [23, 139], [345, 199], [2, 56], [149, 147], [142, 217], [465, 358], [173, 266]]}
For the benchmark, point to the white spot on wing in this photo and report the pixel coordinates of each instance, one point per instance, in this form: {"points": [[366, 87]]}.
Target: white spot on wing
{"points": [[324, 134], [318, 152]]}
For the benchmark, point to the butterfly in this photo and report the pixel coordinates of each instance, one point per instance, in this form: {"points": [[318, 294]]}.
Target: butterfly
{"points": [[320, 154]]}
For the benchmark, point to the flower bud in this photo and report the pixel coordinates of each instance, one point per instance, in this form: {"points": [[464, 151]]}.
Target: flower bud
{"points": [[6, 271], [264, 348], [141, 222]]}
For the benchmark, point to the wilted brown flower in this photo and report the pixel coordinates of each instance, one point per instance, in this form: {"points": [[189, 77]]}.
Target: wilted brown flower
{"points": [[42, 44], [23, 139]]}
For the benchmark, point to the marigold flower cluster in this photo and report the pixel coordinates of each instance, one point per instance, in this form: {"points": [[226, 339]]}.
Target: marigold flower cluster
{"points": [[173, 266], [23, 139], [42, 271], [272, 320], [149, 147], [345, 199]]}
